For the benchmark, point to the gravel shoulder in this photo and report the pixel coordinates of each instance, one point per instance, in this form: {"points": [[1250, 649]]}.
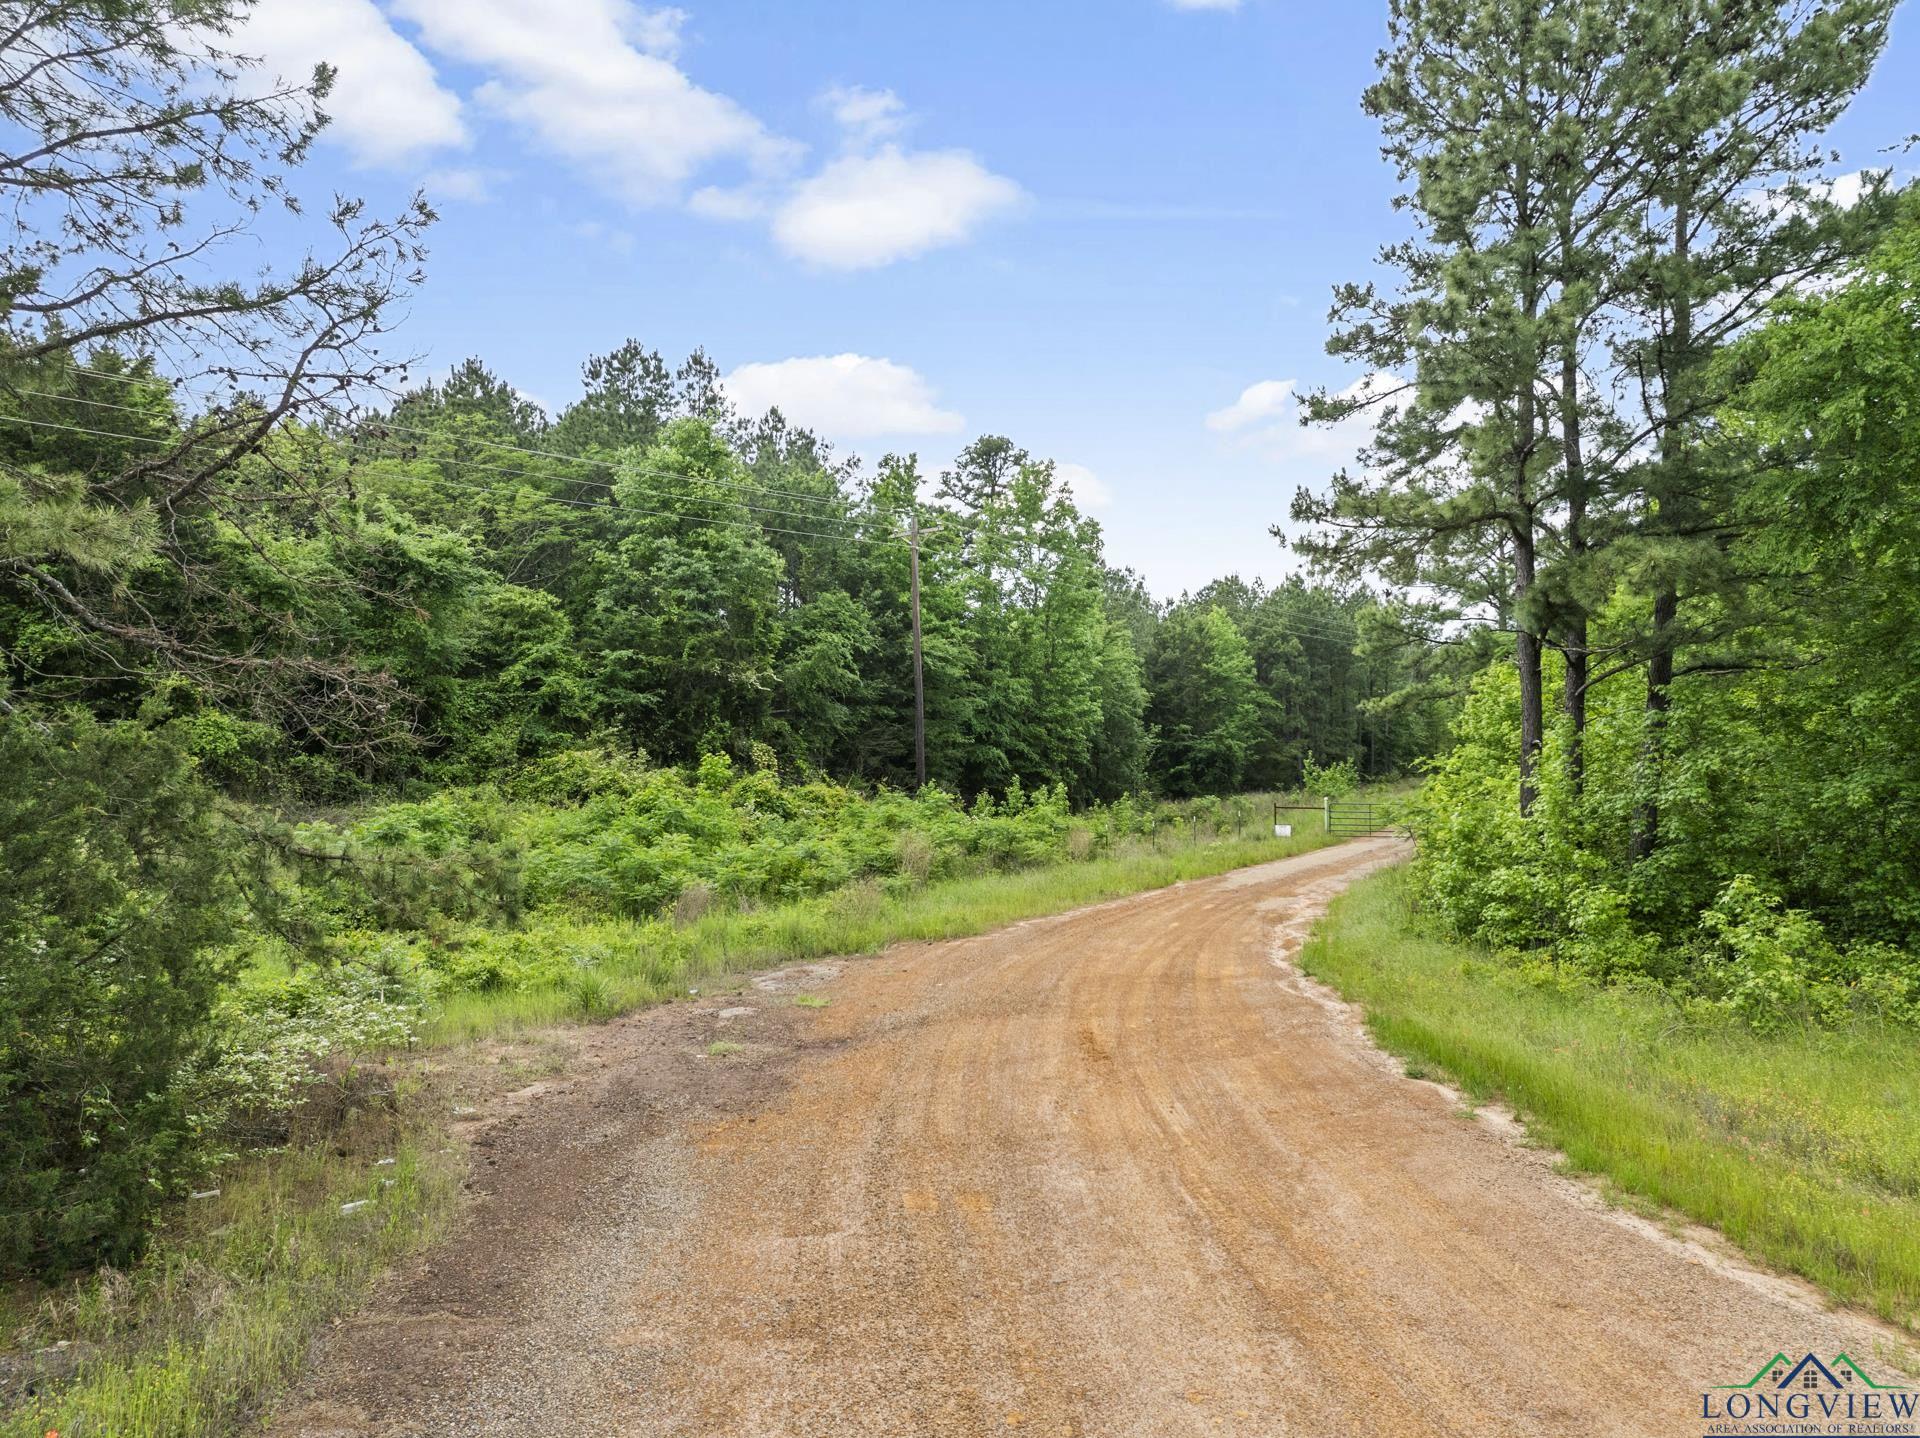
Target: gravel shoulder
{"points": [[1116, 1172]]}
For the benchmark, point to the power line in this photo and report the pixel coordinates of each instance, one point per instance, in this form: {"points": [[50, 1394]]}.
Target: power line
{"points": [[938, 520], [478, 464], [942, 520], [747, 526], [528, 450], [356, 440]]}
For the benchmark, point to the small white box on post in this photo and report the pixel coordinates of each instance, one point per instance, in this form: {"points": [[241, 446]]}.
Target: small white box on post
{"points": [[1283, 831]]}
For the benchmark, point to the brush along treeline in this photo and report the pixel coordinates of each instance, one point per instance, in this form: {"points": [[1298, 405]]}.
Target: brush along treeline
{"points": [[1783, 764], [249, 568], [1651, 416], [201, 969]]}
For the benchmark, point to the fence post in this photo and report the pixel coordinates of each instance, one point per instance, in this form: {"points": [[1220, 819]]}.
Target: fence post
{"points": [[1326, 806]]}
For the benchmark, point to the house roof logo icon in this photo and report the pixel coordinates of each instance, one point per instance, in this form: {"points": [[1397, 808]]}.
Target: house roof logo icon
{"points": [[1807, 1373]]}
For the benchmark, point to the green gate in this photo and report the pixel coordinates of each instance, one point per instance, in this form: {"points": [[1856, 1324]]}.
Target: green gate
{"points": [[1354, 818]]}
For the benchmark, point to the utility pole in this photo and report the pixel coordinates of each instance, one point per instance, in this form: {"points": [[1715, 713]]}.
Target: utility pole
{"points": [[919, 682]]}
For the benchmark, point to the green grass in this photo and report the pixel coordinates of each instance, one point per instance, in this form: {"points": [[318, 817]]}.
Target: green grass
{"points": [[218, 1316], [199, 1337], [1803, 1147], [636, 965]]}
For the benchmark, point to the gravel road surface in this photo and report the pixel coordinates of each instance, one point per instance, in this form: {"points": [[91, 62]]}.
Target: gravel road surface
{"points": [[1119, 1172]]}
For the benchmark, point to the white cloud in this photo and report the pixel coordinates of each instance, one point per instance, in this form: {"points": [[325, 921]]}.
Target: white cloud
{"points": [[1266, 418], [868, 116], [387, 105], [1205, 4], [877, 202], [845, 396], [658, 31], [1258, 401], [598, 83], [1843, 191], [580, 77], [867, 210], [1089, 489], [461, 182]]}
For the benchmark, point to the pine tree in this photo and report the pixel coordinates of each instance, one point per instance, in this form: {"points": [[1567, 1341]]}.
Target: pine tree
{"points": [[1729, 213]]}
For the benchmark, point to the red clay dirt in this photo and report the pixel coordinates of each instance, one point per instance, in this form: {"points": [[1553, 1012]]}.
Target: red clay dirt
{"points": [[1119, 1172]]}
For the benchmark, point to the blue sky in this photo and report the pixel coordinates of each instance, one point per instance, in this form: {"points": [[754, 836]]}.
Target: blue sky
{"points": [[1105, 229]]}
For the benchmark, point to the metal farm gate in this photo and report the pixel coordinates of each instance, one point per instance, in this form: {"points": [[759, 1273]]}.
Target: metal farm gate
{"points": [[1354, 818], [1343, 818]]}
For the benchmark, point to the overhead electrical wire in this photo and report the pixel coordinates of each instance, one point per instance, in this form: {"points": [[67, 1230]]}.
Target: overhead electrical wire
{"points": [[935, 523], [716, 519], [528, 450]]}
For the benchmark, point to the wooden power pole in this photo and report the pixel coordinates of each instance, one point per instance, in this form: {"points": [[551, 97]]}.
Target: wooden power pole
{"points": [[919, 682]]}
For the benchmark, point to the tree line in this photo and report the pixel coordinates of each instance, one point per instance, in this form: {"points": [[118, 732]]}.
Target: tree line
{"points": [[249, 571], [455, 583], [1640, 376]]}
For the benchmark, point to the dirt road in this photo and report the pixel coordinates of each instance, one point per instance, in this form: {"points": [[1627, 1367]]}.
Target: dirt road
{"points": [[1121, 1172]]}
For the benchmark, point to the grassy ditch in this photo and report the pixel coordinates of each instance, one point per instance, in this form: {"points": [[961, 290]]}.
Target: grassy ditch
{"points": [[1803, 1146]]}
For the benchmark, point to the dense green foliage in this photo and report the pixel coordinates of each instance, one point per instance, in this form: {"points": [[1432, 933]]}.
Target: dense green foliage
{"points": [[521, 886], [302, 669], [1660, 431], [1786, 884], [112, 886], [709, 586], [358, 612]]}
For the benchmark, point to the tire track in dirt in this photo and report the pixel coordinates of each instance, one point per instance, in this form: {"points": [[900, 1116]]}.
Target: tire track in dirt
{"points": [[1117, 1172]]}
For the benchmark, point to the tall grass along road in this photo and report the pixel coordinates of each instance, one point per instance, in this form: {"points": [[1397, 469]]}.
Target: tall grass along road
{"points": [[1117, 1172], [277, 1244], [1800, 1145]]}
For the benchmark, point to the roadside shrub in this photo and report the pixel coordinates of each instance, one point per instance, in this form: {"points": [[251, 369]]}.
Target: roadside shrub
{"points": [[1603, 942], [1337, 780], [641, 854], [114, 898], [692, 905], [279, 1041], [1763, 957], [592, 995], [1205, 813], [1772, 965], [576, 775], [856, 904], [1887, 981], [913, 851], [488, 960]]}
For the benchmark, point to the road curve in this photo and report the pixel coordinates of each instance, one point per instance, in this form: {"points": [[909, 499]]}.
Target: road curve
{"points": [[1119, 1172]]}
